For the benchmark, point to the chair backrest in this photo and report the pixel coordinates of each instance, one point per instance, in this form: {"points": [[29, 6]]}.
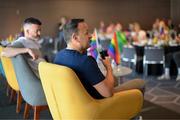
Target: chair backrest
{"points": [[153, 55], [30, 86], [71, 100], [10, 73], [129, 54]]}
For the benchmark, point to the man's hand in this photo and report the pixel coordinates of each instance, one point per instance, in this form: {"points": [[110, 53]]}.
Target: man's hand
{"points": [[32, 54], [107, 63]]}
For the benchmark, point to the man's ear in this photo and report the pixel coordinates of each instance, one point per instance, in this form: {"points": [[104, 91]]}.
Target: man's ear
{"points": [[26, 30], [74, 36]]}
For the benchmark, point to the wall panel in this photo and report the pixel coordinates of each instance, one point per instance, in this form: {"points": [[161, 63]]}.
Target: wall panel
{"points": [[13, 12]]}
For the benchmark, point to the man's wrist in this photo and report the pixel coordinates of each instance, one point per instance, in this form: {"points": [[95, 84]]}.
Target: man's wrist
{"points": [[109, 69], [26, 50]]}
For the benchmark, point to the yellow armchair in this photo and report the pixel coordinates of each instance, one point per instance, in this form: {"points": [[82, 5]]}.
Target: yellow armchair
{"points": [[11, 79], [68, 99]]}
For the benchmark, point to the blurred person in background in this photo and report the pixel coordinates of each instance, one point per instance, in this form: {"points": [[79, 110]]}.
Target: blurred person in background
{"points": [[171, 56], [59, 42], [138, 35], [102, 31], [110, 31]]}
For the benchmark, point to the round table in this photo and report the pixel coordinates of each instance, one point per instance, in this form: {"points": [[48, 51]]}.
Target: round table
{"points": [[120, 71]]}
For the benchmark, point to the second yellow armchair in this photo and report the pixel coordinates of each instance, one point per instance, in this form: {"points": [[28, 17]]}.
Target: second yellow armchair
{"points": [[68, 99]]}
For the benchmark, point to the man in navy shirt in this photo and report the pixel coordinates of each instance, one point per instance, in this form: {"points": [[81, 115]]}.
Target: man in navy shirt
{"points": [[74, 56]]}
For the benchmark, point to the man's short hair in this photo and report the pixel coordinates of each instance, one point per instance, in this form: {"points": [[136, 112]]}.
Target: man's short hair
{"points": [[32, 20], [70, 28]]}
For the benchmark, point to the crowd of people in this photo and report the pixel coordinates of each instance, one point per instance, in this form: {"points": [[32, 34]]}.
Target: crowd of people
{"points": [[162, 33]]}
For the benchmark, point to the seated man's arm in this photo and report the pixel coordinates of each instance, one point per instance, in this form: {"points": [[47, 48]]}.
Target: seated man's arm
{"points": [[105, 87], [11, 52]]}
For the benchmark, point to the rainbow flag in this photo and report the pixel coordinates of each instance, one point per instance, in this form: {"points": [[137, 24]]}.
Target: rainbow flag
{"points": [[116, 46], [93, 46], [114, 49], [122, 40]]}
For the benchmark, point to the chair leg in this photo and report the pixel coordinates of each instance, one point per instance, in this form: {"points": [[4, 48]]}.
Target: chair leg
{"points": [[8, 89], [37, 110], [147, 70], [36, 113], [26, 111], [129, 64], [133, 68], [12, 95], [19, 101], [144, 70]]}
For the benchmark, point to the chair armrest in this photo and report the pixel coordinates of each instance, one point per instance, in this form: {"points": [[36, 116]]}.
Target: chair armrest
{"points": [[125, 105]]}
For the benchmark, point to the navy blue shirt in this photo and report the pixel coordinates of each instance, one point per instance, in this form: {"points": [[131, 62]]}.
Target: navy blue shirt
{"points": [[84, 66]]}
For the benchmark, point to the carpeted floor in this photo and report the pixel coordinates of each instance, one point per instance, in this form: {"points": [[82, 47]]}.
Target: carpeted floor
{"points": [[153, 111], [162, 101], [162, 97], [165, 93]]}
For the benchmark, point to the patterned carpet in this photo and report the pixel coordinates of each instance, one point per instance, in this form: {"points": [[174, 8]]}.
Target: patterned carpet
{"points": [[165, 93]]}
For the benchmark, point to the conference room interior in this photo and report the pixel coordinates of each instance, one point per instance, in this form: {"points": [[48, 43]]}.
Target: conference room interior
{"points": [[147, 31]]}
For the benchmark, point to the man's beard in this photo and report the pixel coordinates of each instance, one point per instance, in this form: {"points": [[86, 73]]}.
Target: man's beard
{"points": [[37, 38]]}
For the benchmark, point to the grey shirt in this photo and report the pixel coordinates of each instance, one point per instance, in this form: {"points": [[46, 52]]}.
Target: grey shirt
{"points": [[23, 42]]}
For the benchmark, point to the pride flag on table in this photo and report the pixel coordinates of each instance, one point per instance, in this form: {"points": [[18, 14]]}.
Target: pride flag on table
{"points": [[122, 39], [93, 45], [116, 46]]}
